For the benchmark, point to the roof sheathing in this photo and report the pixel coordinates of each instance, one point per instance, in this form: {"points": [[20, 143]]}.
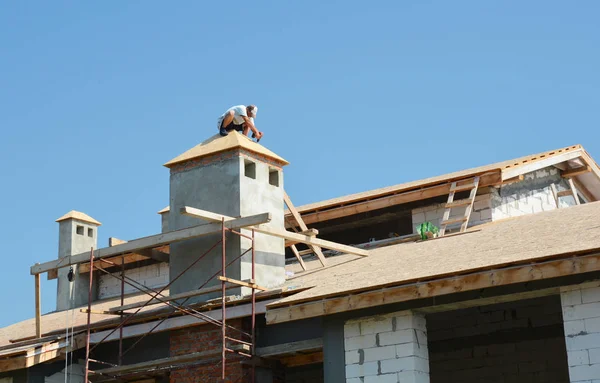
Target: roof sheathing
{"points": [[445, 178]]}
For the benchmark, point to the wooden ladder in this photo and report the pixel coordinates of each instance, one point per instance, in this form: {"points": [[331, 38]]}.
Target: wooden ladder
{"points": [[572, 192], [467, 202], [304, 230]]}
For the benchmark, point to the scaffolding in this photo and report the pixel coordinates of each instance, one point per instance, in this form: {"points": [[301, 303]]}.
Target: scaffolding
{"points": [[243, 345]]}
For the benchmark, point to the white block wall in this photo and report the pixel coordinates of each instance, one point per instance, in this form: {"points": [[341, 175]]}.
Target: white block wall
{"points": [[481, 213], [581, 315], [390, 348], [532, 195], [156, 275]]}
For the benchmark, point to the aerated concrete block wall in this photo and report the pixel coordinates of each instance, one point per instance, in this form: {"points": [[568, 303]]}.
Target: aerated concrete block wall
{"points": [[518, 341], [152, 276], [532, 195], [581, 315], [390, 348]]}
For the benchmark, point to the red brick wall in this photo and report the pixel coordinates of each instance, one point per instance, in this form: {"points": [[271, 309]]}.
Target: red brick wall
{"points": [[204, 338]]}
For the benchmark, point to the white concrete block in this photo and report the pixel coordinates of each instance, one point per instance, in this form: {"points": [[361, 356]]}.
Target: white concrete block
{"points": [[403, 364], [397, 337], [418, 218], [413, 377], [582, 311], [588, 372], [411, 321], [360, 370], [352, 357], [486, 214], [363, 341], [375, 326], [594, 354], [380, 353], [354, 380], [387, 378], [574, 327], [591, 295], [412, 349], [583, 342], [571, 298], [578, 358], [351, 330], [592, 325]]}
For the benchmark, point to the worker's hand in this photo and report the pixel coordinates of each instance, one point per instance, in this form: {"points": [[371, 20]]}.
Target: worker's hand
{"points": [[259, 136]]}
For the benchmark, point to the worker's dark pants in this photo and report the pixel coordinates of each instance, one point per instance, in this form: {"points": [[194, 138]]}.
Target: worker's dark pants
{"points": [[225, 130]]}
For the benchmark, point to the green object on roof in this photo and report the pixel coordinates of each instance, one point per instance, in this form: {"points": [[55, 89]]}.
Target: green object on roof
{"points": [[427, 230]]}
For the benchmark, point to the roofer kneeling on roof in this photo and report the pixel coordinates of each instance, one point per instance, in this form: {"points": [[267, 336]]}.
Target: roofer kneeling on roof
{"points": [[240, 118]]}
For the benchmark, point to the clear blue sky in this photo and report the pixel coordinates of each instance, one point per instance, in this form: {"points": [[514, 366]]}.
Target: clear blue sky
{"points": [[96, 96]]}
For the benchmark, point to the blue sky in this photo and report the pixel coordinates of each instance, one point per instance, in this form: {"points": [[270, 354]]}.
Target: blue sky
{"points": [[96, 96]]}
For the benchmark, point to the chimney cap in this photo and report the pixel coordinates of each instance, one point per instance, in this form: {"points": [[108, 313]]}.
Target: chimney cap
{"points": [[164, 210], [218, 143], [74, 214]]}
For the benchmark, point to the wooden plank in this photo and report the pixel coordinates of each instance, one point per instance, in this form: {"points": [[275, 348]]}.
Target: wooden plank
{"points": [[290, 348], [574, 191], [453, 220], [242, 283], [173, 297], [295, 214], [165, 362], [278, 313], [459, 203], [299, 238], [128, 258], [541, 163], [583, 190], [457, 188], [576, 171], [303, 360], [555, 194], [112, 241], [38, 307], [100, 312], [152, 241], [487, 179], [174, 323], [469, 207], [565, 193], [298, 256]]}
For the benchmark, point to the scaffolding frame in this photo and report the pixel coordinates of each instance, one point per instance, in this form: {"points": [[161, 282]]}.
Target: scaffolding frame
{"points": [[245, 348]]}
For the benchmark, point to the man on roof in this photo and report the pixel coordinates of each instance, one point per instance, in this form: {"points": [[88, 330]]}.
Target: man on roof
{"points": [[240, 118]]}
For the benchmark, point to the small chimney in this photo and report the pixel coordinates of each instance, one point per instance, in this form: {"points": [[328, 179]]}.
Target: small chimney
{"points": [[233, 176], [78, 233], [164, 216]]}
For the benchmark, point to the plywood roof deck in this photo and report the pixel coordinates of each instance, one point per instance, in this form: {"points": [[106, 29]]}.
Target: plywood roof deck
{"points": [[498, 167], [513, 241], [74, 214], [218, 143]]}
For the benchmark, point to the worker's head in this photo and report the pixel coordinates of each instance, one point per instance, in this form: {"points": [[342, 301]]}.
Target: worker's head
{"points": [[251, 110]]}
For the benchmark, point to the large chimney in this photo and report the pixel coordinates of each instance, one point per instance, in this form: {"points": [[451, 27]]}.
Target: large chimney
{"points": [[78, 233], [233, 176]]}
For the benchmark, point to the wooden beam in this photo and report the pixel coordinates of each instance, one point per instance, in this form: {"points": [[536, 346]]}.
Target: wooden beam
{"points": [[298, 256], [290, 348], [152, 241], [303, 360], [278, 313], [100, 312], [174, 323], [583, 190], [242, 283], [129, 258], [299, 238], [38, 307], [112, 241], [548, 160], [173, 297], [576, 171], [488, 179], [166, 362]]}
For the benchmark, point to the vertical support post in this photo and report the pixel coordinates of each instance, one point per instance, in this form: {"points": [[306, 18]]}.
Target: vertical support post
{"points": [[223, 292], [122, 303], [89, 315], [38, 307], [253, 310]]}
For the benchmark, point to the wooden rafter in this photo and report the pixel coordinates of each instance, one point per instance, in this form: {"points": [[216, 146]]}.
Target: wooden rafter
{"points": [[298, 238], [316, 249]]}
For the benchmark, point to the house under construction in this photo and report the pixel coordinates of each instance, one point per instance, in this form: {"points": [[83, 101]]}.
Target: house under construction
{"points": [[242, 286]]}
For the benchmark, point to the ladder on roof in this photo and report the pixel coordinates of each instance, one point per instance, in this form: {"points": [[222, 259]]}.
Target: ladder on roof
{"points": [[304, 230], [473, 184], [571, 192]]}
